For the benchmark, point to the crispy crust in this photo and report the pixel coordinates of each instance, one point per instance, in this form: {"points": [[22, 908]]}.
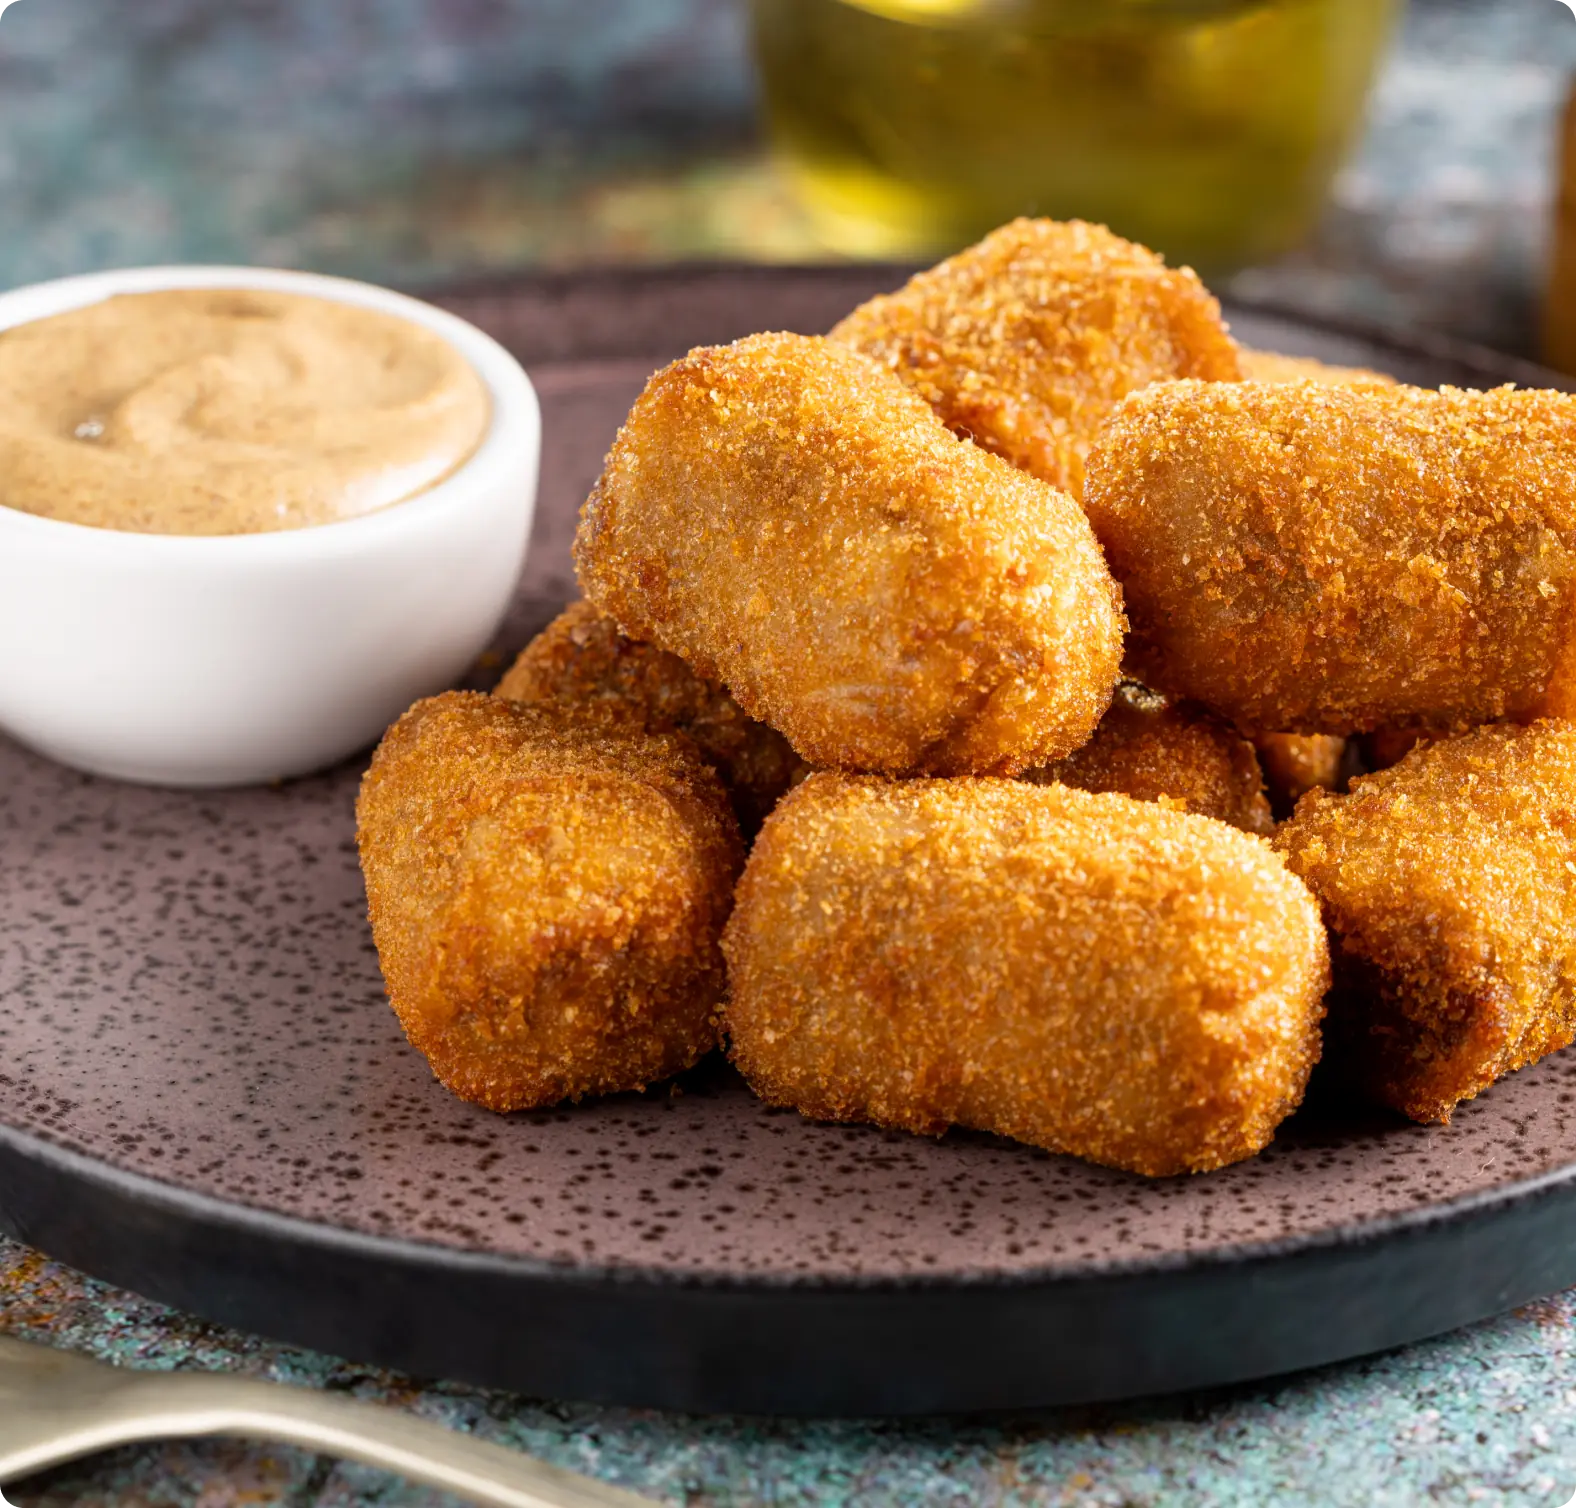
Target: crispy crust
{"points": [[546, 892], [1154, 748], [1314, 559], [1087, 973], [1449, 886], [1024, 342], [1296, 763], [582, 659], [1387, 746], [796, 524], [1270, 366]]}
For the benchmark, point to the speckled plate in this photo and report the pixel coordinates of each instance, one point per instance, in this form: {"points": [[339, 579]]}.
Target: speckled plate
{"points": [[203, 1096]]}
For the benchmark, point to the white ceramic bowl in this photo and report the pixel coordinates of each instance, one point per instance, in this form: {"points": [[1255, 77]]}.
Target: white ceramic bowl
{"points": [[206, 661]]}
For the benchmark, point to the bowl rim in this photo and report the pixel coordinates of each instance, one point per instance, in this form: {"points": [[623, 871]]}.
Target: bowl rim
{"points": [[513, 429]]}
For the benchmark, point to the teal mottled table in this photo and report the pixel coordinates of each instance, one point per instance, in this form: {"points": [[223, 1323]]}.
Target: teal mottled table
{"points": [[414, 139], [1485, 1416]]}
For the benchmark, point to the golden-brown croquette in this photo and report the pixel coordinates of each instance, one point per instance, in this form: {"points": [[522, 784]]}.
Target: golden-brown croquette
{"points": [[1270, 366], [1024, 342], [796, 524], [582, 659], [1313, 559], [1449, 886], [1154, 748], [546, 892], [1092, 974], [1296, 763]]}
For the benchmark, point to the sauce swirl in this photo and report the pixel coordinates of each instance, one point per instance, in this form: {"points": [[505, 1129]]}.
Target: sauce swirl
{"points": [[228, 411]]}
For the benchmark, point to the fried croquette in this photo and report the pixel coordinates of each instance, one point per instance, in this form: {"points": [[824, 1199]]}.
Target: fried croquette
{"points": [[1314, 559], [582, 658], [1153, 748], [1387, 746], [1449, 887], [1024, 342], [546, 890], [1271, 366], [1296, 763], [796, 524], [1088, 973]]}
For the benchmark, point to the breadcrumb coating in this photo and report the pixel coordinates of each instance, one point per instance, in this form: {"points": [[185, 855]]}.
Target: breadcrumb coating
{"points": [[798, 525], [1296, 763], [582, 659], [1387, 746], [546, 890], [1154, 748], [1271, 366], [1449, 887], [1315, 559], [1088, 973], [1024, 342]]}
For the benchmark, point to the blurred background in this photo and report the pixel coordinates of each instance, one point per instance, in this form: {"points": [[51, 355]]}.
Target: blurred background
{"points": [[415, 141]]}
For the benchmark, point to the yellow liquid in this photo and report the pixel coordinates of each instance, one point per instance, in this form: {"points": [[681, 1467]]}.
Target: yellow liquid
{"points": [[1207, 129]]}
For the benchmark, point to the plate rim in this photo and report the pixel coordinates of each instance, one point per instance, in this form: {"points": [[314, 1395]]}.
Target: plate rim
{"points": [[1404, 340], [184, 1227], [210, 1209]]}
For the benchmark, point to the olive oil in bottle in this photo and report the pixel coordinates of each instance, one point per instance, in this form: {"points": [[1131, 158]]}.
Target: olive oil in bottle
{"points": [[1208, 129], [1559, 308]]}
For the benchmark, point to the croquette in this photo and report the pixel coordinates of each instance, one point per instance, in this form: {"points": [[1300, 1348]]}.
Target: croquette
{"points": [[582, 659], [1387, 746], [1296, 763], [1091, 974], [1313, 559], [546, 890], [797, 525], [1449, 886], [1270, 366], [1154, 748], [1024, 342]]}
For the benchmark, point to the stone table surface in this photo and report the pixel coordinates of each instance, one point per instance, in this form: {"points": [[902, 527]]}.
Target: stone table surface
{"points": [[414, 140]]}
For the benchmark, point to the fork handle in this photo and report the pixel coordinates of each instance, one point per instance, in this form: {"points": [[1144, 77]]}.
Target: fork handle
{"points": [[156, 1407]]}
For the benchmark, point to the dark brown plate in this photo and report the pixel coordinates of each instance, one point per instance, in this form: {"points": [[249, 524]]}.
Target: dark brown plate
{"points": [[206, 1099]]}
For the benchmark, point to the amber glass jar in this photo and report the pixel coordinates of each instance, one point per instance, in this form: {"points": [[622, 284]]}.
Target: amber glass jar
{"points": [[1208, 129], [1559, 309]]}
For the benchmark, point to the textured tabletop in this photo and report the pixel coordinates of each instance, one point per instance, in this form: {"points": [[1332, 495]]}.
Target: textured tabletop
{"points": [[1484, 1416], [410, 140]]}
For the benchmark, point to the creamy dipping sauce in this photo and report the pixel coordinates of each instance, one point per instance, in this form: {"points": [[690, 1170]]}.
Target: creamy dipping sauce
{"points": [[228, 411]]}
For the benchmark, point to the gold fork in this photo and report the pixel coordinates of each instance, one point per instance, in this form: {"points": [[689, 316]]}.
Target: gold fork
{"points": [[56, 1406]]}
